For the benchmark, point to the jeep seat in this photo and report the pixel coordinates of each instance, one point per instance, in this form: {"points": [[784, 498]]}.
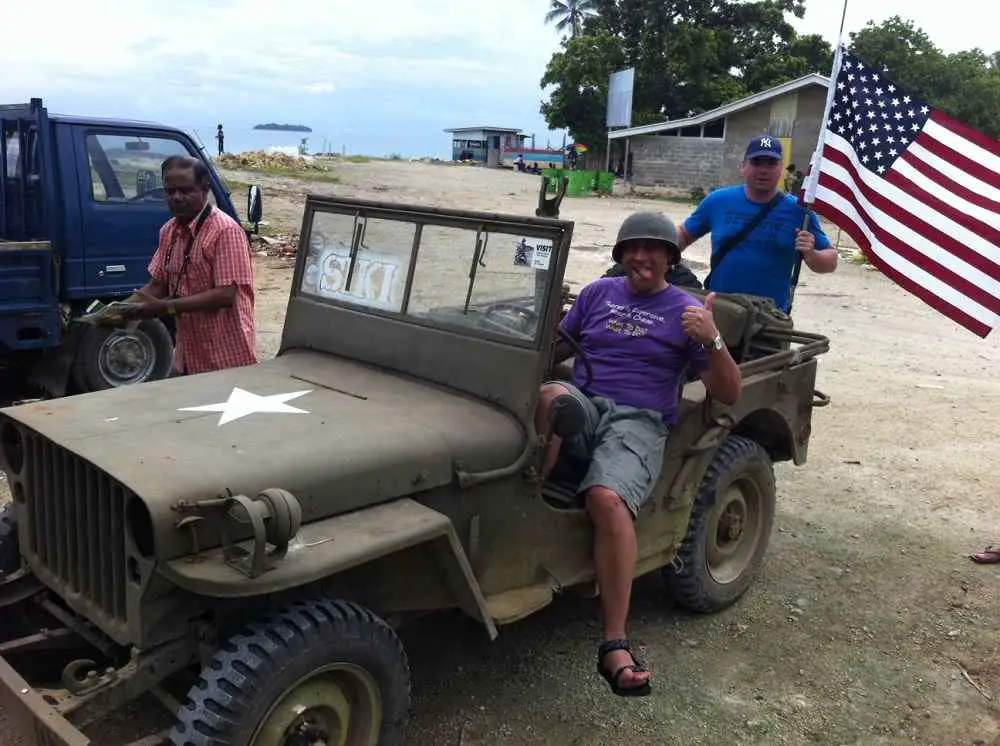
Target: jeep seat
{"points": [[740, 318]]}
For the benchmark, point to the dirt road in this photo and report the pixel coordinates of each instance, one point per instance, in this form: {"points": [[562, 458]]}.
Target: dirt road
{"points": [[867, 615]]}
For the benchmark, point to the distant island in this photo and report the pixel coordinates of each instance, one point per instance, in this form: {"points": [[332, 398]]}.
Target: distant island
{"points": [[283, 127]]}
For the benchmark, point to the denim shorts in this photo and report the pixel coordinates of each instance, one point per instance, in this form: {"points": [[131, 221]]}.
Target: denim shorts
{"points": [[623, 446]]}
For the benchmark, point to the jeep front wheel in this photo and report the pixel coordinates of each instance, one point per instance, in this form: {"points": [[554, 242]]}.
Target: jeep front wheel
{"points": [[729, 529], [320, 672]]}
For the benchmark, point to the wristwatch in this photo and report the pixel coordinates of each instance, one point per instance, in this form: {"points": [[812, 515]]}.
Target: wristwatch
{"points": [[715, 344]]}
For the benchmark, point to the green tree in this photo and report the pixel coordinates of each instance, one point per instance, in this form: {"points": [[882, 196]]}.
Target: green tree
{"points": [[965, 85], [580, 73], [689, 56], [569, 15]]}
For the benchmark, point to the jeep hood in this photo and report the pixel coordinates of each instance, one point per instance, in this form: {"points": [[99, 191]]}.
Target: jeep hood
{"points": [[337, 434]]}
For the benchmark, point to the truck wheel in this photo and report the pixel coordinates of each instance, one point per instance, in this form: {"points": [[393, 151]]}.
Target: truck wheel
{"points": [[10, 553], [107, 357], [319, 672], [729, 528]]}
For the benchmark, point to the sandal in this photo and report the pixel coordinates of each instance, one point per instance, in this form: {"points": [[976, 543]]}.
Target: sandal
{"points": [[989, 556], [612, 678]]}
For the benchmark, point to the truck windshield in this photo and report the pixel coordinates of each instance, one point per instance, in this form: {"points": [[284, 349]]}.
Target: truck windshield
{"points": [[470, 279]]}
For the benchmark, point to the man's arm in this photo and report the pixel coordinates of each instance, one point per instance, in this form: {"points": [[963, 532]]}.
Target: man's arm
{"points": [[815, 247], [722, 378], [684, 238], [155, 288], [698, 223], [231, 267], [571, 326], [218, 297]]}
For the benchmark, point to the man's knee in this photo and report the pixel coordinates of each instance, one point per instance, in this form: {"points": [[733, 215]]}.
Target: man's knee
{"points": [[550, 392], [604, 504]]}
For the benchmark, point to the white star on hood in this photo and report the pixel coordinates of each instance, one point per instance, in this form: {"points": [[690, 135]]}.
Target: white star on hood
{"points": [[242, 403]]}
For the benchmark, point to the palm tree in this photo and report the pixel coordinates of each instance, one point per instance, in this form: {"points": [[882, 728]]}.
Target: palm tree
{"points": [[569, 14]]}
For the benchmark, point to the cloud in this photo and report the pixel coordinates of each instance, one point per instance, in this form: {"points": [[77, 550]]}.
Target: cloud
{"points": [[319, 88], [345, 65]]}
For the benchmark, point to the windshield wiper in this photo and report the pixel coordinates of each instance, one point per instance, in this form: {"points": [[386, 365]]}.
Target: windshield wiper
{"points": [[482, 238], [356, 242]]}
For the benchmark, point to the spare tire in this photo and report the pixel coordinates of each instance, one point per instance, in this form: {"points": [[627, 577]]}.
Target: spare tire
{"points": [[107, 357]]}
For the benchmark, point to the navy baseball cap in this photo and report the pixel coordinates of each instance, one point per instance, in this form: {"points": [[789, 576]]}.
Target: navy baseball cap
{"points": [[765, 146]]}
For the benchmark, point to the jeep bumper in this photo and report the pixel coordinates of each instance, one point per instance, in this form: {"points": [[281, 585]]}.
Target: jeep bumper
{"points": [[34, 719]]}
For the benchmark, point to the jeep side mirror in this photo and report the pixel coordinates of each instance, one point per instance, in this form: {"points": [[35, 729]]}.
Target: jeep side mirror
{"points": [[255, 207]]}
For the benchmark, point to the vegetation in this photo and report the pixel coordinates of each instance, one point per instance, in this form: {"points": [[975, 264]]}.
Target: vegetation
{"points": [[277, 164], [691, 56], [569, 15], [965, 85]]}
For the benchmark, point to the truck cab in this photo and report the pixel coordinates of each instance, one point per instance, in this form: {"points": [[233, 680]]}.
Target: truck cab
{"points": [[81, 206]]}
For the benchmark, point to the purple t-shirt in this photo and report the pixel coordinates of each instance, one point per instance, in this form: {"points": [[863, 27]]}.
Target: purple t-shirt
{"points": [[636, 345]]}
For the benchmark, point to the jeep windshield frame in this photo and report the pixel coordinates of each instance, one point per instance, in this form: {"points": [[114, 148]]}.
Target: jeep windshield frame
{"points": [[447, 295], [473, 287]]}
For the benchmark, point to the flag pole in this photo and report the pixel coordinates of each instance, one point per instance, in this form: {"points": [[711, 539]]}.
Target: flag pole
{"points": [[813, 178]]}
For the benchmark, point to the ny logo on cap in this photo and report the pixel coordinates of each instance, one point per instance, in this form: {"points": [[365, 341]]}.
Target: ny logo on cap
{"points": [[765, 142]]}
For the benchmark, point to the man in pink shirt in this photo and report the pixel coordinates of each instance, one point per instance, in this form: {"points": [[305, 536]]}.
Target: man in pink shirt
{"points": [[202, 274]]}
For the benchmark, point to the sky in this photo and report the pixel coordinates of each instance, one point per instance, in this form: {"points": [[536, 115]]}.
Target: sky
{"points": [[373, 78]]}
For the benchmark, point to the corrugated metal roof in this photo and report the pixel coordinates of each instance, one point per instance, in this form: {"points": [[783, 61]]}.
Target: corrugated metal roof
{"points": [[722, 111]]}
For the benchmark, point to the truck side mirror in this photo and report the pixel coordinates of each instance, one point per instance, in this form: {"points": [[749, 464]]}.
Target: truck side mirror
{"points": [[255, 207]]}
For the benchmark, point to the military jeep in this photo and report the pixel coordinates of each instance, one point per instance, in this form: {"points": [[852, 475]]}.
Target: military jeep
{"points": [[243, 544]]}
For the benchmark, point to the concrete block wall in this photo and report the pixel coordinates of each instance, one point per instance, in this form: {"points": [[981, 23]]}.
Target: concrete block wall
{"points": [[812, 105], [740, 127], [676, 162]]}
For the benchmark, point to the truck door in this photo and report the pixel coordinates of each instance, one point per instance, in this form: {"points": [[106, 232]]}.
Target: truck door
{"points": [[122, 202]]}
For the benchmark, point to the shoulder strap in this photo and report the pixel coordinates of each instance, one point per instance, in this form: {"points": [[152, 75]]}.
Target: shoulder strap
{"points": [[729, 245]]}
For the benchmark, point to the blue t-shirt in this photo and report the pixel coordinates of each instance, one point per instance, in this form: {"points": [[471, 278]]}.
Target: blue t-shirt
{"points": [[762, 263], [636, 345]]}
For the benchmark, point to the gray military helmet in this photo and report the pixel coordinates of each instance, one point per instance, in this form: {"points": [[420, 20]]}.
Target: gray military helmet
{"points": [[651, 225]]}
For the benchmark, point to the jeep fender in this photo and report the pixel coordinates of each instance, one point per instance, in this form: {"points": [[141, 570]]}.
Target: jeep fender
{"points": [[769, 427], [407, 548]]}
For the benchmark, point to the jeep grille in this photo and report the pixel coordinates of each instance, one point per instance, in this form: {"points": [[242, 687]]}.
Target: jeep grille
{"points": [[76, 530]]}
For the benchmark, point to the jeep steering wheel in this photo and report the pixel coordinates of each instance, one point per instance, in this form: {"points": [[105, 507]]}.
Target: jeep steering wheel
{"points": [[527, 316], [578, 351]]}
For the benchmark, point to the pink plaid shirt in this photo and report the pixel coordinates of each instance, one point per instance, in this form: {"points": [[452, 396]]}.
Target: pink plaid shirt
{"points": [[220, 256]]}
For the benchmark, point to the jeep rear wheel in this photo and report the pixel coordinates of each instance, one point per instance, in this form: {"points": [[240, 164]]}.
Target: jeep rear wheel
{"points": [[320, 672], [729, 529]]}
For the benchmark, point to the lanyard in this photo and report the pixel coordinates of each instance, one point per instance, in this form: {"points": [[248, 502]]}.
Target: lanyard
{"points": [[202, 216]]}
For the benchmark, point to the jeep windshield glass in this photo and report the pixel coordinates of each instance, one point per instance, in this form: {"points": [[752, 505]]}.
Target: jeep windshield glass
{"points": [[474, 280]]}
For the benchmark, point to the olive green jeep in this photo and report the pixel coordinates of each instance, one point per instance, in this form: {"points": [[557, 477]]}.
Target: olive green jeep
{"points": [[243, 543]]}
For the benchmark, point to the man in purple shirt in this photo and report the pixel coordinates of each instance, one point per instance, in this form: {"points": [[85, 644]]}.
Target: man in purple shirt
{"points": [[641, 337]]}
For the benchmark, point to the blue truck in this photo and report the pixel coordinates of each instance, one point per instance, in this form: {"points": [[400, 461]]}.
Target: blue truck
{"points": [[81, 206]]}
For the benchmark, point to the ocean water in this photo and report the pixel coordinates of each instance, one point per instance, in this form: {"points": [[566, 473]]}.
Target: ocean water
{"points": [[243, 139]]}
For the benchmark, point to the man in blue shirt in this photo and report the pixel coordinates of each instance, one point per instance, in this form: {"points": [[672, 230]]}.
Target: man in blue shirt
{"points": [[763, 262]]}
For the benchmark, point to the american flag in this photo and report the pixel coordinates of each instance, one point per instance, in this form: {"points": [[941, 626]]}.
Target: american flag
{"points": [[917, 191]]}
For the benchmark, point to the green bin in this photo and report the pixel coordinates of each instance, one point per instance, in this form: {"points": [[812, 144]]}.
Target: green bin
{"points": [[580, 183]]}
